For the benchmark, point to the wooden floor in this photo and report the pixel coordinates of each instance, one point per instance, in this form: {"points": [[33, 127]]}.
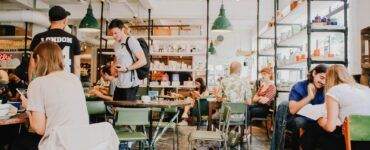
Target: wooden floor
{"points": [[259, 139]]}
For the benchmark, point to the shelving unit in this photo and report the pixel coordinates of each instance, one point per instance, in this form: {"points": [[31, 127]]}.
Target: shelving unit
{"points": [[17, 52], [163, 52], [301, 39], [291, 34]]}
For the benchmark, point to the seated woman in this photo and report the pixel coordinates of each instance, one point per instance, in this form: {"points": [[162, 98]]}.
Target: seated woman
{"points": [[198, 93], [262, 100], [55, 98], [344, 97], [109, 75]]}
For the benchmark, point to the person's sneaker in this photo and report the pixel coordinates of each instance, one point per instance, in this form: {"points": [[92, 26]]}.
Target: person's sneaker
{"points": [[183, 123]]}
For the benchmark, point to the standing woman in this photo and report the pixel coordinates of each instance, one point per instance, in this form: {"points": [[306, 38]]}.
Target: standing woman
{"points": [[56, 97]]}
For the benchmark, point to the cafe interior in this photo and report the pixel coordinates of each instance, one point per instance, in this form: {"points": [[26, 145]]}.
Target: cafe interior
{"points": [[184, 74]]}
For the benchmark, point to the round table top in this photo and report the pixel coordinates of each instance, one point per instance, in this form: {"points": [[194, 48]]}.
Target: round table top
{"points": [[17, 119], [152, 104]]}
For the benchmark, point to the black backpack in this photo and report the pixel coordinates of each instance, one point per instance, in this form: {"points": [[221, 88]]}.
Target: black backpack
{"points": [[143, 71]]}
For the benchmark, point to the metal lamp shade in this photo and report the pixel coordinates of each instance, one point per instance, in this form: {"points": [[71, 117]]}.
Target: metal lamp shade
{"points": [[89, 22], [222, 24]]}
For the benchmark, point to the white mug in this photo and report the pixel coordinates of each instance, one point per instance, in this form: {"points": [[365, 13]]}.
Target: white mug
{"points": [[145, 98]]}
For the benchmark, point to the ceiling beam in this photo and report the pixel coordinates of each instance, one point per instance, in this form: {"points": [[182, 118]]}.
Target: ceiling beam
{"points": [[147, 4]]}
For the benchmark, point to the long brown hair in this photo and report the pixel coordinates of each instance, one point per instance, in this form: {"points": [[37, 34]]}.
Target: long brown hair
{"points": [[338, 74], [48, 57]]}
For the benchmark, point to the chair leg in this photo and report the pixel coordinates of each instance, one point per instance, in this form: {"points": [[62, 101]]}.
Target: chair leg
{"points": [[250, 130], [242, 136], [267, 130]]}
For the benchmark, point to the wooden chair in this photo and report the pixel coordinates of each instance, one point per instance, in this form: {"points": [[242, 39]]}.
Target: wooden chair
{"points": [[356, 128]]}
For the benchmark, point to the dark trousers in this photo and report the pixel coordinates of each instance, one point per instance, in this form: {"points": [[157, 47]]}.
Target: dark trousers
{"points": [[26, 141], [314, 137], [125, 94], [258, 110], [294, 123]]}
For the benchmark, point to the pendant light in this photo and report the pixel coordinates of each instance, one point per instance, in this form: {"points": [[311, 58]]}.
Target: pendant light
{"points": [[89, 23], [212, 49], [222, 24]]}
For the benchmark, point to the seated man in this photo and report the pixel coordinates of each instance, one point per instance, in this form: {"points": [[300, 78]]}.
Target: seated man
{"points": [[310, 91], [235, 89]]}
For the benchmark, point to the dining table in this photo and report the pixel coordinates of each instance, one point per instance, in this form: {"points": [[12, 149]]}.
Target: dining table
{"points": [[16, 119], [162, 105]]}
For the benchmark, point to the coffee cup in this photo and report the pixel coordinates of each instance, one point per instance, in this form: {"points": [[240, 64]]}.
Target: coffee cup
{"points": [[145, 98]]}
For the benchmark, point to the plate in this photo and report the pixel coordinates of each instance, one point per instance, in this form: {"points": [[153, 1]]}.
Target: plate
{"points": [[6, 117]]}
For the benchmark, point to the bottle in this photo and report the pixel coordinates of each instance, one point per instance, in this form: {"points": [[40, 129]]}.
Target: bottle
{"points": [[316, 52]]}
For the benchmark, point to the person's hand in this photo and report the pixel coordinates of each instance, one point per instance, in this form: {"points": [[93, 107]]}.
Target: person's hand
{"points": [[311, 90], [322, 121], [97, 93], [263, 100], [24, 101], [195, 94], [121, 68]]}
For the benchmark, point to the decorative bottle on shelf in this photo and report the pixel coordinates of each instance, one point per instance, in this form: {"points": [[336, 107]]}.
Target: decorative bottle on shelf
{"points": [[293, 5], [316, 52]]}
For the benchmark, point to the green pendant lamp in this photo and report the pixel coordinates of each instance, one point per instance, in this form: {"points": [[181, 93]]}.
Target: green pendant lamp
{"points": [[212, 49], [89, 23], [222, 24]]}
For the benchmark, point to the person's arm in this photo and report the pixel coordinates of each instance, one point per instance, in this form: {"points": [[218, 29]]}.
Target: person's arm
{"points": [[295, 106], [76, 57], [76, 65], [102, 96], [31, 69], [269, 96], [248, 93], [32, 65], [37, 119], [332, 108], [139, 54]]}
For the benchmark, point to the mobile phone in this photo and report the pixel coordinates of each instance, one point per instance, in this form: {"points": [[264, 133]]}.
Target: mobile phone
{"points": [[21, 91]]}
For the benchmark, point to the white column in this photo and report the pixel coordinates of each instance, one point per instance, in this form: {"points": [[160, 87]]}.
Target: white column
{"points": [[358, 19]]}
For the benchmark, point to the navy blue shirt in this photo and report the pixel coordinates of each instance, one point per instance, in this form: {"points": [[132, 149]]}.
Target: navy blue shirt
{"points": [[299, 91]]}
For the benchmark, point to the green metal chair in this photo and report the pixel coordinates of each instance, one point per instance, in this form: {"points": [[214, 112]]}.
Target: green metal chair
{"points": [[164, 125], [132, 117], [96, 109], [219, 135], [356, 128], [239, 108]]}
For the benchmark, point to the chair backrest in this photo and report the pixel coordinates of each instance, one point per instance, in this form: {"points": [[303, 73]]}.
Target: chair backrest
{"points": [[356, 128], [132, 116], [225, 119], [96, 107], [236, 108]]}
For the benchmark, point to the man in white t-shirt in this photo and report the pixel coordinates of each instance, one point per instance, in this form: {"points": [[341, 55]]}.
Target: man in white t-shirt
{"points": [[128, 81]]}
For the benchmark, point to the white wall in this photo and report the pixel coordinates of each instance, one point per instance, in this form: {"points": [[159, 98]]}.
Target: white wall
{"points": [[358, 19], [226, 51]]}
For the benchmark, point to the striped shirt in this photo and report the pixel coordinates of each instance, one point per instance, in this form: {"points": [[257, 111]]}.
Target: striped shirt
{"points": [[269, 93]]}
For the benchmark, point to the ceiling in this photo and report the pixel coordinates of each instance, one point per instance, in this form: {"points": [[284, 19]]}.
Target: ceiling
{"points": [[242, 13]]}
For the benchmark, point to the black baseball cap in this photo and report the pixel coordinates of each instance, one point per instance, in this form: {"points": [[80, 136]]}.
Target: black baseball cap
{"points": [[57, 13]]}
